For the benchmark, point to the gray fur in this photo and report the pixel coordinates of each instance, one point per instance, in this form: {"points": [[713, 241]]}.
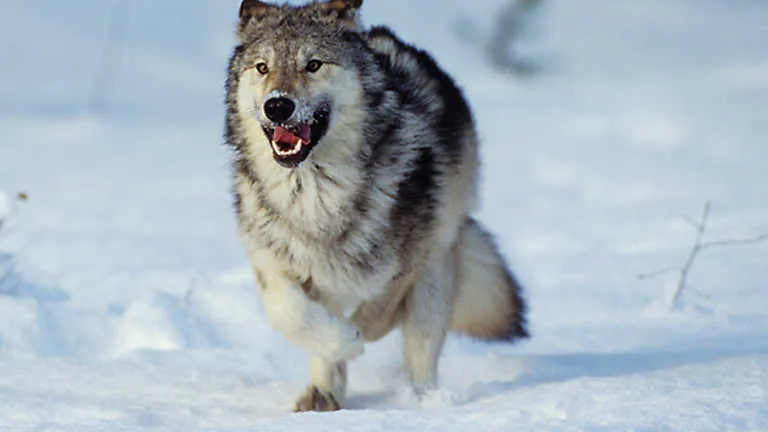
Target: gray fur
{"points": [[372, 218]]}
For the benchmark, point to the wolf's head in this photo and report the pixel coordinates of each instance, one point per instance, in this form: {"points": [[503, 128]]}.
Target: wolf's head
{"points": [[294, 71]]}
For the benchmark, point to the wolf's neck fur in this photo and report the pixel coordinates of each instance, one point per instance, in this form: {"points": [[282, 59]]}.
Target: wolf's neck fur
{"points": [[316, 196]]}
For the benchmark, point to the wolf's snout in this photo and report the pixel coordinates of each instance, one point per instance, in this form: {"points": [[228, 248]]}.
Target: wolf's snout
{"points": [[279, 109]]}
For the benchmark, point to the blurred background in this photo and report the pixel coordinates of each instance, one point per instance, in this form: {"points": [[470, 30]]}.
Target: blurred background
{"points": [[606, 127]]}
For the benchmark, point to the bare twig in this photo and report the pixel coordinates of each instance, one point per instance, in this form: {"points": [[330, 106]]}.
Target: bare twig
{"points": [[739, 242], [110, 56], [506, 34], [6, 266], [690, 221], [5, 276], [7, 262], [658, 273], [698, 245], [501, 46], [686, 269]]}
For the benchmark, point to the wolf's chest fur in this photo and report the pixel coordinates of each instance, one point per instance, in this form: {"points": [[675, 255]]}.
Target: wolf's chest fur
{"points": [[327, 225]]}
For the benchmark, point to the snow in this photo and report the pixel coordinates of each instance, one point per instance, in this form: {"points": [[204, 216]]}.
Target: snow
{"points": [[129, 303]]}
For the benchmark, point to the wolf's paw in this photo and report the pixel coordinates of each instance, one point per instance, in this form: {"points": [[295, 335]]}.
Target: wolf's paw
{"points": [[317, 400]]}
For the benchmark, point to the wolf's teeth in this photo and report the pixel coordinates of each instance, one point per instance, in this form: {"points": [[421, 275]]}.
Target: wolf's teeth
{"points": [[294, 151]]}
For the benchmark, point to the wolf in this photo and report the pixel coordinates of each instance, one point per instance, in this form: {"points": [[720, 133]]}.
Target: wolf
{"points": [[355, 167]]}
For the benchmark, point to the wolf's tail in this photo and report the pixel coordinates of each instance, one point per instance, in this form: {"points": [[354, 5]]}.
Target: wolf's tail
{"points": [[489, 302]]}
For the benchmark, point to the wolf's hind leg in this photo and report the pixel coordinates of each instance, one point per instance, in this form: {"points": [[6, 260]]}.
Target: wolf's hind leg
{"points": [[328, 389], [426, 320]]}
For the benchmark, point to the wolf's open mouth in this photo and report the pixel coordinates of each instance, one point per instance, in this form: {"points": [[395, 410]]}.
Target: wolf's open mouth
{"points": [[292, 144]]}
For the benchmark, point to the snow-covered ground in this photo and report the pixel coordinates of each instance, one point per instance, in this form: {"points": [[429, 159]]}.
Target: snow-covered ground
{"points": [[127, 302]]}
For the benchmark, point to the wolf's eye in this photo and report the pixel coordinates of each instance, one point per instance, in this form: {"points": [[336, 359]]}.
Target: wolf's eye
{"points": [[262, 68], [314, 66]]}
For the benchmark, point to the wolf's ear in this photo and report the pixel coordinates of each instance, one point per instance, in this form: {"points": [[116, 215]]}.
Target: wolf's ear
{"points": [[253, 10], [343, 9]]}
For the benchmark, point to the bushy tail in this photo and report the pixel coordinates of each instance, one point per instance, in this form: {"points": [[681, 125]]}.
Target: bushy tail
{"points": [[489, 302]]}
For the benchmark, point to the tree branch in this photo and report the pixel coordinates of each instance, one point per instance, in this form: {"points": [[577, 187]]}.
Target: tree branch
{"points": [[5, 276], [658, 273], [736, 242], [691, 221], [698, 246], [110, 56], [692, 256], [510, 25], [8, 265]]}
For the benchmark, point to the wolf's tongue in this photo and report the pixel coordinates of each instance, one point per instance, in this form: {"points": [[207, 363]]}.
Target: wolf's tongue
{"points": [[283, 135]]}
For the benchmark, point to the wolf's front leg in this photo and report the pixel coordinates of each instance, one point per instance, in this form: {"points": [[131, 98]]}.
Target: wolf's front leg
{"points": [[328, 389], [307, 323]]}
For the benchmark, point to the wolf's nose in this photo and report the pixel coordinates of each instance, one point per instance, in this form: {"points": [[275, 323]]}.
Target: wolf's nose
{"points": [[279, 109]]}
